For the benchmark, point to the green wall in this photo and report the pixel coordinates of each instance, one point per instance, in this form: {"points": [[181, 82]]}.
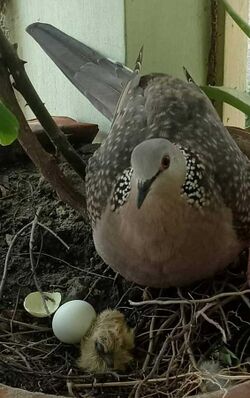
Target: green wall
{"points": [[174, 33], [98, 23]]}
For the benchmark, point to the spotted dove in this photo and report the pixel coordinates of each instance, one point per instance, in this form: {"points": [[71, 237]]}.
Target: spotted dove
{"points": [[168, 191]]}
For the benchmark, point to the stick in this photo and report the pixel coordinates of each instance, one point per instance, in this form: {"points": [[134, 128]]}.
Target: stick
{"points": [[190, 302], [45, 162], [25, 87], [6, 262]]}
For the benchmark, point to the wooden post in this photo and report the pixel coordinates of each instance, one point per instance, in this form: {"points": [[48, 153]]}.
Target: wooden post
{"points": [[235, 61]]}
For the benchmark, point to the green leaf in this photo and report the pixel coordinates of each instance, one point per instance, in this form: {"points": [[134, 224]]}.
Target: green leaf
{"points": [[243, 25], [226, 356], [9, 126], [232, 96]]}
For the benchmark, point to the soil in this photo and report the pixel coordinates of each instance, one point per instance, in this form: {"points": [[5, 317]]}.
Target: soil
{"points": [[33, 359]]}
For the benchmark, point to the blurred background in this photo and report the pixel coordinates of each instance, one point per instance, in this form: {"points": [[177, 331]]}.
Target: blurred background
{"points": [[192, 33]]}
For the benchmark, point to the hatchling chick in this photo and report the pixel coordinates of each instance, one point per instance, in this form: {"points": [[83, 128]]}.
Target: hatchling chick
{"points": [[108, 344]]}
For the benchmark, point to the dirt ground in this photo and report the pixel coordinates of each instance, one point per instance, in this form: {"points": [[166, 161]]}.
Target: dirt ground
{"points": [[181, 335]]}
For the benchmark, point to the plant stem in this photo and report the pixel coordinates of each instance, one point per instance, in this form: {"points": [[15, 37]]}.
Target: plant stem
{"points": [[45, 162], [243, 25], [23, 84]]}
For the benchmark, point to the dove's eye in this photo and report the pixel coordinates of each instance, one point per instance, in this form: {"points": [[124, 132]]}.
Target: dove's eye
{"points": [[165, 162]]}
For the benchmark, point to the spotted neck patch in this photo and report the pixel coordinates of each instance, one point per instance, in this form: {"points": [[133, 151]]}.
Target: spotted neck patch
{"points": [[122, 189], [193, 188]]}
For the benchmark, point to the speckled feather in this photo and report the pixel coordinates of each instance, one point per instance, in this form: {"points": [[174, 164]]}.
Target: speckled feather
{"points": [[160, 106]]}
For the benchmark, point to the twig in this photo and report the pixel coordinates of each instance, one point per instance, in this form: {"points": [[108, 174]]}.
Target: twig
{"points": [[31, 345], [54, 234], [124, 295], [225, 322], [45, 162], [32, 264], [69, 385], [7, 258], [213, 307], [169, 338], [187, 338], [129, 383], [187, 333], [150, 346], [85, 271], [25, 87], [15, 309], [24, 333], [91, 288], [27, 325], [190, 302], [216, 324], [15, 350], [244, 348], [245, 299], [170, 362]]}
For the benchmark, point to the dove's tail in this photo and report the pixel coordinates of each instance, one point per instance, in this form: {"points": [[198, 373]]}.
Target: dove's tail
{"points": [[98, 78]]}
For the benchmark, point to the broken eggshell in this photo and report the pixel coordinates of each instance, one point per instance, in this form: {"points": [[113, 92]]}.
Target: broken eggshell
{"points": [[34, 304]]}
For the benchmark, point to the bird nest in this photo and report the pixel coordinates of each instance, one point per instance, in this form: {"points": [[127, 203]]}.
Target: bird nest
{"points": [[187, 340]]}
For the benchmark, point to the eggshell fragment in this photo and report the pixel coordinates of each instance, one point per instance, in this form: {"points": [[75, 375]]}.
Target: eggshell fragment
{"points": [[72, 321], [34, 304]]}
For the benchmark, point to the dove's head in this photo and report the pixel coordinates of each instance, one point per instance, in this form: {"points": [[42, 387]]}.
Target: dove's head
{"points": [[157, 165]]}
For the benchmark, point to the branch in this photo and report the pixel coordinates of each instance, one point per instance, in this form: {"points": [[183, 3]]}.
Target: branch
{"points": [[191, 301], [45, 162], [25, 87]]}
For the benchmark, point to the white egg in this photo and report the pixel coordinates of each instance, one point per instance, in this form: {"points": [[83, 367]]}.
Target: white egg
{"points": [[72, 321]]}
